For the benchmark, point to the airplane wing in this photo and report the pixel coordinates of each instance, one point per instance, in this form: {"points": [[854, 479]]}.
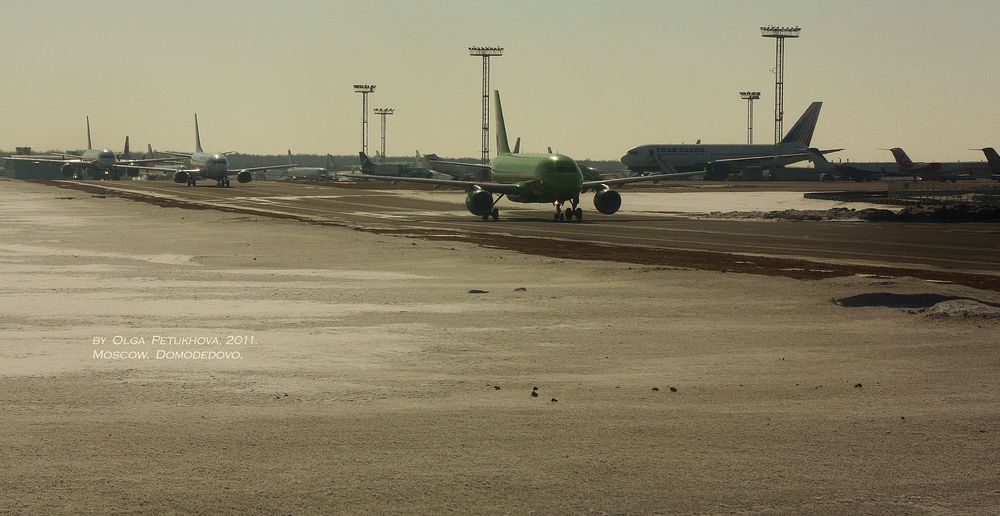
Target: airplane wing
{"points": [[763, 161], [172, 160], [151, 168], [73, 160], [258, 169], [455, 168], [496, 188], [175, 153], [587, 185]]}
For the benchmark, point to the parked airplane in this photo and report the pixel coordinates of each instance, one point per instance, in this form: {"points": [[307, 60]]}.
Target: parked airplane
{"points": [[854, 171], [717, 161], [93, 163], [533, 178], [414, 169], [948, 171], [210, 165], [297, 172]]}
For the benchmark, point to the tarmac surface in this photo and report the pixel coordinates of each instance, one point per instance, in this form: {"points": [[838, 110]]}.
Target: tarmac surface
{"points": [[287, 349], [647, 232]]}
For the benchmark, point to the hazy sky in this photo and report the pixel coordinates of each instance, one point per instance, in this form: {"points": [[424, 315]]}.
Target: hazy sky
{"points": [[589, 78]]}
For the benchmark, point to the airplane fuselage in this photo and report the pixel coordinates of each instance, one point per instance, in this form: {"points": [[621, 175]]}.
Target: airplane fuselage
{"points": [[694, 157], [946, 170], [101, 159], [543, 177], [210, 165]]}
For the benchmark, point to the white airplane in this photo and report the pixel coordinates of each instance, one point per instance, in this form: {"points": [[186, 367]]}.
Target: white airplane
{"points": [[719, 160], [945, 171], [93, 163], [297, 172], [209, 165]]}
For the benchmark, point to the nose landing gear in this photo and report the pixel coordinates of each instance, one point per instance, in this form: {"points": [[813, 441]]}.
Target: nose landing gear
{"points": [[572, 212]]}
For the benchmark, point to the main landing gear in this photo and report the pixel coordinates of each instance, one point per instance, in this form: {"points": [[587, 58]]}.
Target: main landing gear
{"points": [[192, 181], [223, 182], [572, 212], [494, 213]]}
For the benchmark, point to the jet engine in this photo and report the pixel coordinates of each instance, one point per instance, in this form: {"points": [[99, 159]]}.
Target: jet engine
{"points": [[717, 171], [244, 177], [132, 172], [181, 176], [479, 201], [607, 201], [68, 170]]}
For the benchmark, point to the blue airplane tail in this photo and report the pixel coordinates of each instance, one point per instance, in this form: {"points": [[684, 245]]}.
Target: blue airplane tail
{"points": [[802, 132]]}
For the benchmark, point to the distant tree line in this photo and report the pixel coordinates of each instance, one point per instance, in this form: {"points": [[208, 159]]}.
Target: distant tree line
{"points": [[339, 161]]}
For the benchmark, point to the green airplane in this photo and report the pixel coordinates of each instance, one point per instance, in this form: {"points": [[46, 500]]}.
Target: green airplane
{"points": [[532, 178]]}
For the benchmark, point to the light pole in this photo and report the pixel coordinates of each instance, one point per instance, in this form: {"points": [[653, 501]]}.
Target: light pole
{"points": [[383, 112], [750, 96], [486, 53], [779, 34], [364, 90]]}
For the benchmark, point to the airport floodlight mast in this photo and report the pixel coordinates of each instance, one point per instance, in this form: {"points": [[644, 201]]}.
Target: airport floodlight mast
{"points": [[383, 112], [486, 53], [779, 34], [364, 90], [749, 96]]}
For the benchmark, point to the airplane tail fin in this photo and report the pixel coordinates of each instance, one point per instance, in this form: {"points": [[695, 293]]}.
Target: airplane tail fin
{"points": [[366, 163], [802, 131], [904, 161], [329, 163], [992, 158], [126, 153], [89, 145], [197, 135], [502, 146], [289, 156], [517, 145], [149, 150]]}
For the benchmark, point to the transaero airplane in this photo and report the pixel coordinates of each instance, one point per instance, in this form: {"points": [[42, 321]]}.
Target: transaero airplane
{"points": [[209, 165], [532, 178], [94, 163], [717, 161]]}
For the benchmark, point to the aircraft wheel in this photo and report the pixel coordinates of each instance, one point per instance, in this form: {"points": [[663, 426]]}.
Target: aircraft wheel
{"points": [[486, 217], [556, 217], [560, 217], [495, 214], [578, 214], [569, 215]]}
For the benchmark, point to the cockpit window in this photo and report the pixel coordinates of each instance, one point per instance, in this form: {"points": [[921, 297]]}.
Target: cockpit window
{"points": [[565, 167]]}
